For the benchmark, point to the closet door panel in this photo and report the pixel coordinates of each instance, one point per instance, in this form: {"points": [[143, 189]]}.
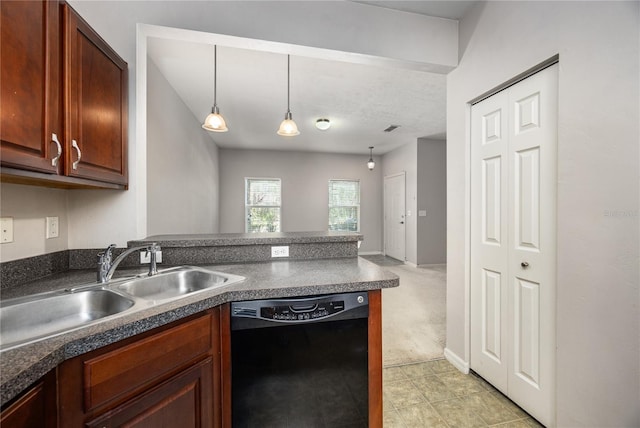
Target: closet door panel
{"points": [[489, 240], [532, 242]]}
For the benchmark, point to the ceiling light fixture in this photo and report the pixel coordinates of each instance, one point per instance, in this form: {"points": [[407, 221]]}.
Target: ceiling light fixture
{"points": [[214, 121], [371, 164], [323, 124], [288, 127]]}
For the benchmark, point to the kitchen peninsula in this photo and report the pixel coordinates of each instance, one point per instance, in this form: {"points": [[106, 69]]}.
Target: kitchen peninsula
{"points": [[319, 263]]}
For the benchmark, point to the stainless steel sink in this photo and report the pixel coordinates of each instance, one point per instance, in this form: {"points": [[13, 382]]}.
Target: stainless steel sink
{"points": [[23, 320], [177, 282], [29, 319]]}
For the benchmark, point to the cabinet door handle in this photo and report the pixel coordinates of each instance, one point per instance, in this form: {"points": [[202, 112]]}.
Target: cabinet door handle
{"points": [[74, 144], [54, 161]]}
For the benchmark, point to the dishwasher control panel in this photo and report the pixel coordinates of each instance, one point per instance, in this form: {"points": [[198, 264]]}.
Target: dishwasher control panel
{"points": [[301, 312]]}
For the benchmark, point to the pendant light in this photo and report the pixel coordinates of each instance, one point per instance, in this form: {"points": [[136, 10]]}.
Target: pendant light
{"points": [[371, 164], [214, 121], [288, 127]]}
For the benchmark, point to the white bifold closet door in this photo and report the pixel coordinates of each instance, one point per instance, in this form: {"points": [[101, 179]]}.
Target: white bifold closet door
{"points": [[513, 241]]}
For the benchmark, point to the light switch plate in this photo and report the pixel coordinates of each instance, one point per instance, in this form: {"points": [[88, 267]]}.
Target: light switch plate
{"points": [[52, 227], [422, 213], [6, 229]]}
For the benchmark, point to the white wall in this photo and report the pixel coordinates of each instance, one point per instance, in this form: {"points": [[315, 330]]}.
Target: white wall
{"points": [[182, 164], [432, 198], [305, 184], [29, 206], [405, 159], [598, 377]]}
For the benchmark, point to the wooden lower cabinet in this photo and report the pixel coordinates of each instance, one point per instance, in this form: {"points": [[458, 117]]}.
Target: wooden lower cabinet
{"points": [[183, 401], [169, 376], [35, 408]]}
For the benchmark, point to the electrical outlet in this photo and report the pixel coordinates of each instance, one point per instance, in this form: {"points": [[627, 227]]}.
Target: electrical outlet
{"points": [[52, 227], [6, 229], [145, 257], [282, 251]]}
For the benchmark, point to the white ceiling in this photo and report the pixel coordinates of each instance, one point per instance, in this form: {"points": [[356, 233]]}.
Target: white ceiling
{"points": [[360, 100], [451, 9]]}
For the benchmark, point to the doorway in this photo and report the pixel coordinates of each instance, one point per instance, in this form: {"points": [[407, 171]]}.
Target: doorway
{"points": [[394, 216]]}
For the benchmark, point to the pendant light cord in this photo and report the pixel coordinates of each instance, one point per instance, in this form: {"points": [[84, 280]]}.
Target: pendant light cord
{"points": [[288, 82], [215, 72]]}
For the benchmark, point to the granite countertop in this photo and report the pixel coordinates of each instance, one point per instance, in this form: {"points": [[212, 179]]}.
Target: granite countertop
{"points": [[227, 239], [21, 366]]}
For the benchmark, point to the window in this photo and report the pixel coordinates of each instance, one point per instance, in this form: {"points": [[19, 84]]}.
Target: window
{"points": [[344, 205], [262, 204]]}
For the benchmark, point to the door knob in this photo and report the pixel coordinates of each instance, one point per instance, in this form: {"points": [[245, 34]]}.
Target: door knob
{"points": [[524, 264]]}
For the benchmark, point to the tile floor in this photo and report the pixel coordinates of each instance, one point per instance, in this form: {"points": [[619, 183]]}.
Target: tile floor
{"points": [[436, 394]]}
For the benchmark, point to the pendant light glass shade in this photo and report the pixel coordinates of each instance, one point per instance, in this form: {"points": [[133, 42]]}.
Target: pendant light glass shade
{"points": [[288, 127], [371, 164], [214, 121]]}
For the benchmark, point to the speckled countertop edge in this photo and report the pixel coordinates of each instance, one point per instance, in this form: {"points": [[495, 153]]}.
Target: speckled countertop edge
{"points": [[232, 239], [20, 367]]}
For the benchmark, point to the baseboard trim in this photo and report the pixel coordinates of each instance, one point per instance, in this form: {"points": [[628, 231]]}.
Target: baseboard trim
{"points": [[369, 253], [457, 362], [413, 265], [433, 265]]}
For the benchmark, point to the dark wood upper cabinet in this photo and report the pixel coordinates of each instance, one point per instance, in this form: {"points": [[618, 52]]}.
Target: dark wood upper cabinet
{"points": [[30, 85], [95, 94], [61, 82]]}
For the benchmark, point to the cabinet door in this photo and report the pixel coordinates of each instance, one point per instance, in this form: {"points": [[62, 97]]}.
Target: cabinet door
{"points": [[95, 99], [30, 86], [183, 401], [35, 409]]}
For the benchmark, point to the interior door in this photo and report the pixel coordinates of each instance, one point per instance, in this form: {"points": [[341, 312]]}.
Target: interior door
{"points": [[394, 216], [513, 241]]}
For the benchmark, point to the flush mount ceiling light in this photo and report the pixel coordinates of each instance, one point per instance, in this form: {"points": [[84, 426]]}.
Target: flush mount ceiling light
{"points": [[288, 127], [214, 121], [323, 124], [371, 164]]}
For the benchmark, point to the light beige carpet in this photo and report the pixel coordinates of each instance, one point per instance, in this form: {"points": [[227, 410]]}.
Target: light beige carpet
{"points": [[413, 315]]}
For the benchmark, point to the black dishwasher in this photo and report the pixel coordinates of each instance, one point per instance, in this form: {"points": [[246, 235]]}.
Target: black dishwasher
{"points": [[300, 362]]}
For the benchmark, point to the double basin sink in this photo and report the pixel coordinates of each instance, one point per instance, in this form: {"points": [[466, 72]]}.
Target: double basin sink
{"points": [[28, 319]]}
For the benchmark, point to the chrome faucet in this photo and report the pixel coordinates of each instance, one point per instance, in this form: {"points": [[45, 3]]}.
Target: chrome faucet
{"points": [[106, 268]]}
